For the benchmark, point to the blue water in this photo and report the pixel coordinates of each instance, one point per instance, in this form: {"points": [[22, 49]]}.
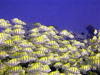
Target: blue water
{"points": [[73, 15]]}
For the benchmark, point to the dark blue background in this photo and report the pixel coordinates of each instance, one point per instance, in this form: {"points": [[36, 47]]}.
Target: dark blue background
{"points": [[73, 15]]}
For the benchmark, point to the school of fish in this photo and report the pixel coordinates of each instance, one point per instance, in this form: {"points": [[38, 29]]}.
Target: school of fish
{"points": [[43, 47]]}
